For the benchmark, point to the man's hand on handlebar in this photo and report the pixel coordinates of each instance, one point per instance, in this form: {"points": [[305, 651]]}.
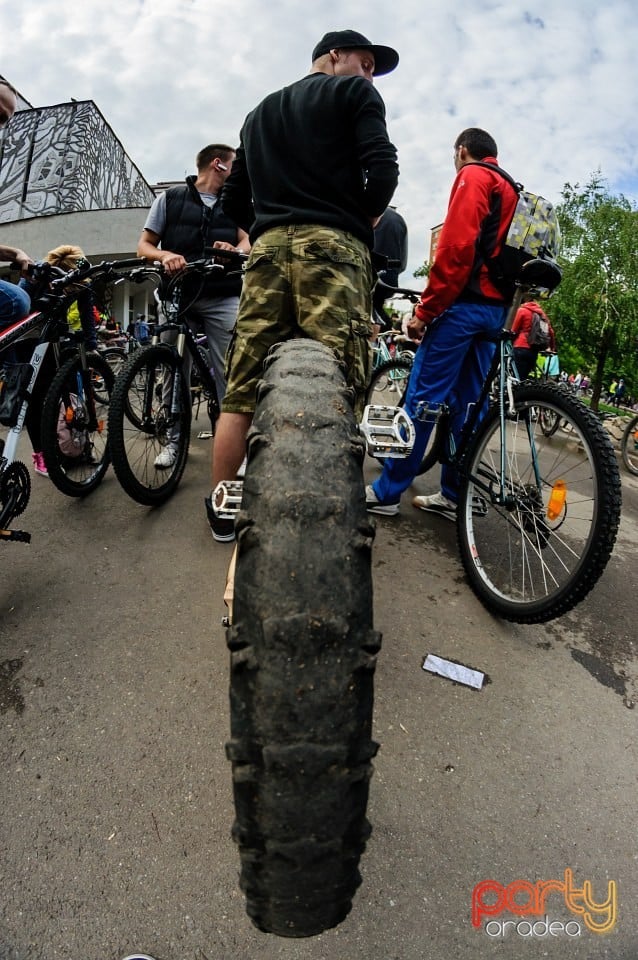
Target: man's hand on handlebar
{"points": [[172, 262], [23, 261], [224, 245]]}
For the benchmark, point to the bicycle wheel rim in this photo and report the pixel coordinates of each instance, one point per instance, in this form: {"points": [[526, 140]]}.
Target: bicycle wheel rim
{"points": [[537, 556]]}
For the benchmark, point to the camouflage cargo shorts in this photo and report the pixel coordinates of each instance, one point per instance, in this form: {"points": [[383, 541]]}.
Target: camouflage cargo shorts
{"points": [[302, 281]]}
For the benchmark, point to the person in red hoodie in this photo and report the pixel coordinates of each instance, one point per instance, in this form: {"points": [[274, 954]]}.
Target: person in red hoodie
{"points": [[459, 305], [526, 353]]}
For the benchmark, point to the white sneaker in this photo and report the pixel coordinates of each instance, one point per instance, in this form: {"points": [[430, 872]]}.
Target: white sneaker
{"points": [[439, 503], [373, 504], [166, 458], [436, 503]]}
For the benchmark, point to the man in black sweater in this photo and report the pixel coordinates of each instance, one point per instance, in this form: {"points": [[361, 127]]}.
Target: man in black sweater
{"points": [[314, 171]]}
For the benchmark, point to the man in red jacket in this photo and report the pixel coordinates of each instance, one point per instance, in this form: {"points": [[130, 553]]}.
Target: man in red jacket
{"points": [[459, 304]]}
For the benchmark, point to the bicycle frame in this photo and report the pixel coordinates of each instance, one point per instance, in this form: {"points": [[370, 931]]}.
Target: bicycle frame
{"points": [[13, 437], [51, 329], [186, 340]]}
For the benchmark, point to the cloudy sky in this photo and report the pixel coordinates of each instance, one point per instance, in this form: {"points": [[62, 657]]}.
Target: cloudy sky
{"points": [[554, 81]]}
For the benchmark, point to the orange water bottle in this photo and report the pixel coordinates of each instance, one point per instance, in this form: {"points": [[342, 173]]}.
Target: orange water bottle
{"points": [[557, 498]]}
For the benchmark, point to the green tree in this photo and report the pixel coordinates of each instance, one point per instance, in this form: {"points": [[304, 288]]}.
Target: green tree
{"points": [[595, 309]]}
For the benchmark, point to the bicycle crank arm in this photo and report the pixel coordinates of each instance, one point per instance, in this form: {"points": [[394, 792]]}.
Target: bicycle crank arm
{"points": [[388, 431], [20, 535], [226, 498]]}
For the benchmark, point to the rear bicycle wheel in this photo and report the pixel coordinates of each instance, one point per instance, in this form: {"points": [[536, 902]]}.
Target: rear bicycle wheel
{"points": [[116, 359], [142, 426], [539, 554], [388, 382], [549, 421], [629, 446], [303, 649], [75, 426]]}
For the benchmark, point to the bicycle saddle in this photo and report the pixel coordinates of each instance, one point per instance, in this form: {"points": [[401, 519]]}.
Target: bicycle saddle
{"points": [[541, 273]]}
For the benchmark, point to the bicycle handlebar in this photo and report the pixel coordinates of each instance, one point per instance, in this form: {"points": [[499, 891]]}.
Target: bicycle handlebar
{"points": [[208, 264], [81, 273]]}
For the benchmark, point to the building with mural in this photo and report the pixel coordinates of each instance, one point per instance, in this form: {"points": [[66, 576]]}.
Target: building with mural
{"points": [[66, 178]]}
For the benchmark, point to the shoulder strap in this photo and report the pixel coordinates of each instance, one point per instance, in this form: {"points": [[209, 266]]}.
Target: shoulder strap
{"points": [[490, 166]]}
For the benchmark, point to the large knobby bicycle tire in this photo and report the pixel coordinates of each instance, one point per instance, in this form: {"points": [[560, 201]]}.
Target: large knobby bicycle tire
{"points": [[68, 426], [303, 649], [139, 434], [538, 556], [629, 446]]}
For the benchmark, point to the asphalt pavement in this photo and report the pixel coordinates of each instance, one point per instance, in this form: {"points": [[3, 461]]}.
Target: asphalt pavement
{"points": [[116, 792]]}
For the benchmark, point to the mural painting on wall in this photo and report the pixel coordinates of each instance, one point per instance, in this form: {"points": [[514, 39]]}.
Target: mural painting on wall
{"points": [[65, 159]]}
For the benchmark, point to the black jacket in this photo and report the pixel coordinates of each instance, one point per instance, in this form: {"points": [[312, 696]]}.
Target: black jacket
{"points": [[316, 151]]}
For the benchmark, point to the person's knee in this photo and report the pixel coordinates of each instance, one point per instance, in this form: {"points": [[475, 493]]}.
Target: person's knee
{"points": [[15, 303]]}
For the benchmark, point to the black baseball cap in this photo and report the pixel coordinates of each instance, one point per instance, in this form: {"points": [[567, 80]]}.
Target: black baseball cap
{"points": [[385, 58]]}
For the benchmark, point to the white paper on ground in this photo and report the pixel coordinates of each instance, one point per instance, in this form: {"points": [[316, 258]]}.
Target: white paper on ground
{"points": [[453, 671]]}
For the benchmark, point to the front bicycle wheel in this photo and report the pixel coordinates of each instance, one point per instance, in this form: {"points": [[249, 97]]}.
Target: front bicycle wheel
{"points": [[75, 426], [629, 446], [149, 427], [303, 649], [536, 555]]}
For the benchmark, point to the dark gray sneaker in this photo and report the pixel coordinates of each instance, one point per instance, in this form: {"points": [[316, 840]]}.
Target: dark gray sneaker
{"points": [[223, 530]]}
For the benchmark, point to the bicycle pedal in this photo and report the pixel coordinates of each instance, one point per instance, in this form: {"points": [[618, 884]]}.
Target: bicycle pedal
{"points": [[20, 536], [430, 412], [388, 431], [226, 499]]}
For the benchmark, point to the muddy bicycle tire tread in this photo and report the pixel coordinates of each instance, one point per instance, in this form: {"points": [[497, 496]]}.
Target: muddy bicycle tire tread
{"points": [[303, 650]]}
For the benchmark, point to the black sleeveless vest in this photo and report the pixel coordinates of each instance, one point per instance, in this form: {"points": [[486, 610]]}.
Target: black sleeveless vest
{"points": [[192, 228]]}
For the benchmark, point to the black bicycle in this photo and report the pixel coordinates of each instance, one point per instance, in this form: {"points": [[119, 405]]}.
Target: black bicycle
{"points": [[151, 406], [73, 386]]}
